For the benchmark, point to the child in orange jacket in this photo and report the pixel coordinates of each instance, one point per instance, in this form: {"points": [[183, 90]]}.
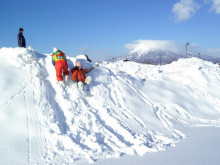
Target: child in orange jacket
{"points": [[78, 76]]}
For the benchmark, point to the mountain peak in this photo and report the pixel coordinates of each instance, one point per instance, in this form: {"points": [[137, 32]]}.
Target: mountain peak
{"points": [[158, 56]]}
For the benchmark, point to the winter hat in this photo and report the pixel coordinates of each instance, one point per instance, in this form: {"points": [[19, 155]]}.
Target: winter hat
{"points": [[78, 64], [55, 49]]}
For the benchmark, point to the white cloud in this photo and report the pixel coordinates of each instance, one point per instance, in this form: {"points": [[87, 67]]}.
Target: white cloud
{"points": [[83, 49], [212, 52], [142, 46], [184, 10], [195, 45], [196, 48], [215, 5]]}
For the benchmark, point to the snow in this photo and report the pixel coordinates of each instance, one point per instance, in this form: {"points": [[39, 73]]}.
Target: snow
{"points": [[133, 109], [201, 147]]}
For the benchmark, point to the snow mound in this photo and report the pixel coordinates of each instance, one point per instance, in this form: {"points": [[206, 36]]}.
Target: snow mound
{"points": [[133, 108], [83, 59]]}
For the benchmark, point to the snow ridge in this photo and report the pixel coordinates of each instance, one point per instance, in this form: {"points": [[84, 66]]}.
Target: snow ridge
{"points": [[133, 108]]}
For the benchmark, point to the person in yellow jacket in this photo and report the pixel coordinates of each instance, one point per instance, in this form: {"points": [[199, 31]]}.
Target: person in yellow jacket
{"points": [[61, 66]]}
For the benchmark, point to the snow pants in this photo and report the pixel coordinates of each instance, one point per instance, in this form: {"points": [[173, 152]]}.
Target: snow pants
{"points": [[61, 69], [87, 81]]}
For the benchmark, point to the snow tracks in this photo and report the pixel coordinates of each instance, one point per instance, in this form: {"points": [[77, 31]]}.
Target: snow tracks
{"points": [[98, 126], [132, 109], [119, 117], [116, 119]]}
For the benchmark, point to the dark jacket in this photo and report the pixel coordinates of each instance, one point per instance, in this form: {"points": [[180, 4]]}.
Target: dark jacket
{"points": [[21, 40]]}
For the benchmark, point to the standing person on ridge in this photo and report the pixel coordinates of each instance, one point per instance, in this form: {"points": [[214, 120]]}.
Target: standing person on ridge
{"points": [[21, 39], [61, 66]]}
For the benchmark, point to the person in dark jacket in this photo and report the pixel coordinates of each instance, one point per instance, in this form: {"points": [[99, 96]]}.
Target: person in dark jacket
{"points": [[21, 39]]}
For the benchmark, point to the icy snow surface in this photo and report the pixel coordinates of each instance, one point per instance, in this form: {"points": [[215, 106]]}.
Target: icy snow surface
{"points": [[133, 109]]}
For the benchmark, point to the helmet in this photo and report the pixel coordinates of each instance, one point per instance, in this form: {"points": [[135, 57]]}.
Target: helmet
{"points": [[55, 49]]}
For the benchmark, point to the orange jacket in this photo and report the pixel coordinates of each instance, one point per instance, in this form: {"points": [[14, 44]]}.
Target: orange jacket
{"points": [[79, 75]]}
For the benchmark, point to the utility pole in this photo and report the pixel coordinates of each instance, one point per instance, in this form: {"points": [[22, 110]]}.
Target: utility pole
{"points": [[187, 44], [160, 59], [113, 59]]}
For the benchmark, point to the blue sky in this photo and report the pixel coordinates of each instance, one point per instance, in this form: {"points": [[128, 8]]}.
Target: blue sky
{"points": [[102, 28]]}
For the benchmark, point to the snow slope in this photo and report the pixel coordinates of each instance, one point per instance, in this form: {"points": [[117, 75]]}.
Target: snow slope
{"points": [[201, 147], [133, 109]]}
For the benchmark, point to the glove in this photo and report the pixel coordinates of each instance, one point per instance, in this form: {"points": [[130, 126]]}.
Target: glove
{"points": [[53, 62]]}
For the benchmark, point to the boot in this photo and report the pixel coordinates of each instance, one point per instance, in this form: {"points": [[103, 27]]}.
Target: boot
{"points": [[80, 85], [66, 79], [88, 80], [61, 84]]}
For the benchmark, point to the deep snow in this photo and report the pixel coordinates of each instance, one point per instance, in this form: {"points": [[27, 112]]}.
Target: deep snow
{"points": [[201, 147], [133, 109]]}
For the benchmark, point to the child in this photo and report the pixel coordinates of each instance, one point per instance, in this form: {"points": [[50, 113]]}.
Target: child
{"points": [[78, 76], [61, 66]]}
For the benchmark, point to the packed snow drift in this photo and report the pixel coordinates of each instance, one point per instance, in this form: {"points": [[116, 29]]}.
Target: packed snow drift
{"points": [[133, 108]]}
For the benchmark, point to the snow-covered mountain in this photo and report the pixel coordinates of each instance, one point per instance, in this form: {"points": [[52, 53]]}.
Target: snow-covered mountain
{"points": [[153, 57], [156, 56], [133, 109]]}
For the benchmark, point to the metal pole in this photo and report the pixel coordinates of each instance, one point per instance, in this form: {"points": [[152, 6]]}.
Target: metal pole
{"points": [[187, 44], [160, 59]]}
